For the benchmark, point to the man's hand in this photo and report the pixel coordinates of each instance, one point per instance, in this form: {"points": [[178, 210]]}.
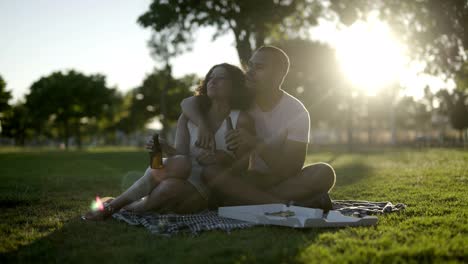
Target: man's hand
{"points": [[205, 138], [240, 138], [218, 157], [191, 108]]}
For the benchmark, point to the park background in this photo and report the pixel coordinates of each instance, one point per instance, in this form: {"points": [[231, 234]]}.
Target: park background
{"points": [[84, 84], [93, 74]]}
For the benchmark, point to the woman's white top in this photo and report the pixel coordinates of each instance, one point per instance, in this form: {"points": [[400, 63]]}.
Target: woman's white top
{"points": [[195, 174]]}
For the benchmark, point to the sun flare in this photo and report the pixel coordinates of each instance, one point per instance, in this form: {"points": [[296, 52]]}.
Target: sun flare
{"points": [[370, 56]]}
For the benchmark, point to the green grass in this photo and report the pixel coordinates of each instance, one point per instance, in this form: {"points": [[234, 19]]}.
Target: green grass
{"points": [[42, 195]]}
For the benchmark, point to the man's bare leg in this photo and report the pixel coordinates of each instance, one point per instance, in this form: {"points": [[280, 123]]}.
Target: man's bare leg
{"points": [[314, 179], [309, 188], [305, 188], [235, 191]]}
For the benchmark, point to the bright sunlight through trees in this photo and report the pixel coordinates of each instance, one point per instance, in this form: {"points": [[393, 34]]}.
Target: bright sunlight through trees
{"points": [[370, 56]]}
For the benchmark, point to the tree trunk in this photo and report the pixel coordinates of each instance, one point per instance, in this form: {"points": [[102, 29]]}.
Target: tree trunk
{"points": [[369, 121], [66, 131], [20, 140], [163, 102], [243, 46], [164, 111], [393, 129], [78, 134], [350, 124], [259, 37]]}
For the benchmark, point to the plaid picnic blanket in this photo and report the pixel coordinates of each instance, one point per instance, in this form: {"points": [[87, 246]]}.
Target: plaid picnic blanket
{"points": [[170, 224]]}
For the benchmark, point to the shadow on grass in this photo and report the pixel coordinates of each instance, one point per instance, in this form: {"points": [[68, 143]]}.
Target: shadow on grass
{"points": [[333, 158], [111, 241], [349, 169], [352, 173]]}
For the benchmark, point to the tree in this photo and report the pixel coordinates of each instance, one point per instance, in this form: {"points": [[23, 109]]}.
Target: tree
{"points": [[459, 113], [252, 22], [105, 126], [148, 100], [314, 79], [456, 104], [436, 30], [69, 100], [18, 124], [5, 97], [412, 114]]}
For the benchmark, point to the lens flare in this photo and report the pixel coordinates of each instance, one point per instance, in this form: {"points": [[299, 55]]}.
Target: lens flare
{"points": [[371, 56], [97, 205]]}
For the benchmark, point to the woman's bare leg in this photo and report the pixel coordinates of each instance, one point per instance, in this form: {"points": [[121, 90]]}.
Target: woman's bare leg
{"points": [[174, 167], [177, 167], [172, 195]]}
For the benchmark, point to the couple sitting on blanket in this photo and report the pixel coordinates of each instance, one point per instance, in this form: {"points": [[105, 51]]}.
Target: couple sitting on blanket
{"points": [[268, 143]]}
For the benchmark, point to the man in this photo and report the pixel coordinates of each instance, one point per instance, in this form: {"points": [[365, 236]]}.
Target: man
{"points": [[276, 173]]}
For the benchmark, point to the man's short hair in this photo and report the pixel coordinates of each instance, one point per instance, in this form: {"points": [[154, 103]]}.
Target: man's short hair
{"points": [[279, 56]]}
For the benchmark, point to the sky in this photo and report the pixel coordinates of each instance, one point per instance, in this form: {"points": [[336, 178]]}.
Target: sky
{"points": [[42, 36]]}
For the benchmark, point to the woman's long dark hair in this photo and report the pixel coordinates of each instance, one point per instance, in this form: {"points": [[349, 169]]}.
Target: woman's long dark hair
{"points": [[241, 97]]}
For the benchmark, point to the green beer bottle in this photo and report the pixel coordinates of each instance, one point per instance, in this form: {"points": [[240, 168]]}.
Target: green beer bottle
{"points": [[156, 154], [229, 127]]}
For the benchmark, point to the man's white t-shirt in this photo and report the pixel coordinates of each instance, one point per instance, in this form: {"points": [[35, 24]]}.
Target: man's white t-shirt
{"points": [[288, 120]]}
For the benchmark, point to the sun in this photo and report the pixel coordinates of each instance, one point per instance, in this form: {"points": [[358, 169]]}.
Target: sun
{"points": [[370, 56]]}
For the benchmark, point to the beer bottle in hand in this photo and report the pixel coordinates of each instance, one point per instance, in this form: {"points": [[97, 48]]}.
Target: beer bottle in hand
{"points": [[229, 127], [156, 154]]}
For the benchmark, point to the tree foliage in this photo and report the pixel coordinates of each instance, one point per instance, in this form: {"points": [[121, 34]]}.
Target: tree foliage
{"points": [[69, 100], [456, 102], [18, 124], [412, 114], [5, 96], [159, 96], [252, 22]]}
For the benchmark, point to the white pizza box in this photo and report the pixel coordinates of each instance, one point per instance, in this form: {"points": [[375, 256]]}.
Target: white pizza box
{"points": [[303, 217]]}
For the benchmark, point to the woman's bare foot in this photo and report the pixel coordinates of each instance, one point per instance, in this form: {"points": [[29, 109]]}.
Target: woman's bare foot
{"points": [[96, 216], [107, 199], [101, 214]]}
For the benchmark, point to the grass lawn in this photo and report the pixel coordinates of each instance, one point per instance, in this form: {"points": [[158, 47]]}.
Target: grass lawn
{"points": [[42, 195]]}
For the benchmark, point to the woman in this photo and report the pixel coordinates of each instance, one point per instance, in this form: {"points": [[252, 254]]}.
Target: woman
{"points": [[178, 186]]}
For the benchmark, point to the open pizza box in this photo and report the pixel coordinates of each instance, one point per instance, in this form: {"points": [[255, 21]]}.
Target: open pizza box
{"points": [[293, 216]]}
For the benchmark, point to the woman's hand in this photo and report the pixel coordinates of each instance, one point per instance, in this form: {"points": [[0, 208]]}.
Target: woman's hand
{"points": [[218, 157]]}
